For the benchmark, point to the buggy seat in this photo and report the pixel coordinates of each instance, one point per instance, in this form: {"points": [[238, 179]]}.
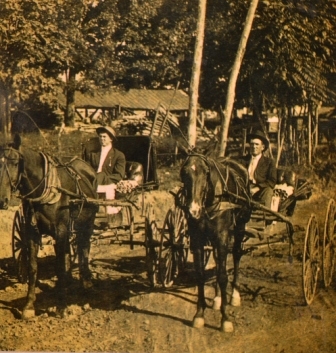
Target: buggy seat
{"points": [[288, 190]]}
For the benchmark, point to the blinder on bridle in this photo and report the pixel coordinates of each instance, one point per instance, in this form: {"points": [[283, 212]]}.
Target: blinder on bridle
{"points": [[5, 156]]}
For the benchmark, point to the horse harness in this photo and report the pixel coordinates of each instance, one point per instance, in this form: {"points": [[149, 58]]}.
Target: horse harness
{"points": [[223, 198], [52, 188]]}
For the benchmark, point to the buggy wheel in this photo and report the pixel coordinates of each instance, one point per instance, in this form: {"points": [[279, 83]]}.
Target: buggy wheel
{"points": [[174, 246], [329, 243], [310, 260], [152, 246], [207, 252], [19, 246], [73, 249]]}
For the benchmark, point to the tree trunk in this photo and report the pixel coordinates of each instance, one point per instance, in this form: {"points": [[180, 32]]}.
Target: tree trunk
{"points": [[234, 75], [70, 99], [3, 117], [196, 71], [310, 138]]}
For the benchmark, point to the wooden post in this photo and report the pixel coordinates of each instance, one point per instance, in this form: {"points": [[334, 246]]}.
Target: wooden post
{"points": [[244, 140], [168, 109], [175, 153], [309, 134], [317, 111], [155, 120], [3, 118]]}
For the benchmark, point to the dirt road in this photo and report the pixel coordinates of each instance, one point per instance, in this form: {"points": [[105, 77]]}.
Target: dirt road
{"points": [[122, 314]]}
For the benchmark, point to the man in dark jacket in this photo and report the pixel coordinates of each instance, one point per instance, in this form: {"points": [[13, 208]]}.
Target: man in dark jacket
{"points": [[261, 169], [108, 162]]}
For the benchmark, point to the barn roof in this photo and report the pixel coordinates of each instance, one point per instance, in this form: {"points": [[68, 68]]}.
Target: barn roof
{"points": [[137, 99]]}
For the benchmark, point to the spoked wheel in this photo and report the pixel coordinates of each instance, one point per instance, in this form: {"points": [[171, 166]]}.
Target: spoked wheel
{"points": [[329, 243], [73, 249], [19, 246], [310, 261], [174, 246], [207, 252], [152, 243]]}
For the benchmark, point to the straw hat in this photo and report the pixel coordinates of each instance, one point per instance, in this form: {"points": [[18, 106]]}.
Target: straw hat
{"points": [[108, 130]]}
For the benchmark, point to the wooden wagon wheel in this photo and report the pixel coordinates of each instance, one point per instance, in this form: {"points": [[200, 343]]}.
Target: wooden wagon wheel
{"points": [[174, 246], [19, 246], [310, 260], [152, 246], [329, 243], [207, 253], [73, 247]]}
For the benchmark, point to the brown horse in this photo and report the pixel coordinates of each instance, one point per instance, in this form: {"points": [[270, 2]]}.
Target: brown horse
{"points": [[209, 189], [46, 187]]}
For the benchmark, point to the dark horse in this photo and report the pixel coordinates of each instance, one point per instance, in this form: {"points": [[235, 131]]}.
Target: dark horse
{"points": [[214, 192], [46, 187]]}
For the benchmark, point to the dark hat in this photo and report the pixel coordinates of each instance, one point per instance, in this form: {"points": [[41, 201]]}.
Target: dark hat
{"points": [[259, 135], [108, 130]]}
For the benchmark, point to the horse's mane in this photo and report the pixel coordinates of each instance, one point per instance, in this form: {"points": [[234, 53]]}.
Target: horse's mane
{"points": [[86, 174], [228, 175], [237, 167], [83, 168]]}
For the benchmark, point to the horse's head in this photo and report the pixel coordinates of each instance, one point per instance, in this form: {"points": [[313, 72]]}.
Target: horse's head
{"points": [[10, 172], [195, 178]]}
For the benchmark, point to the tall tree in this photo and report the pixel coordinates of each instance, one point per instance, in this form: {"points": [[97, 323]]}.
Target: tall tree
{"points": [[196, 72], [234, 75]]}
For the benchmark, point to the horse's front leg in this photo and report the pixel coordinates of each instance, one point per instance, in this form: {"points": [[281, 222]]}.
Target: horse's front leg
{"points": [[61, 268], [83, 247], [198, 320], [237, 253], [217, 301], [222, 279], [33, 248]]}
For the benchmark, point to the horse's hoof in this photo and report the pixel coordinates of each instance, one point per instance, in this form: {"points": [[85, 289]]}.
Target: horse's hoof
{"points": [[227, 326], [198, 322], [62, 313], [235, 301], [216, 305], [27, 314]]}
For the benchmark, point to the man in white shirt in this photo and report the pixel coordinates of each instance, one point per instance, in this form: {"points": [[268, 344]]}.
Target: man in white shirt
{"points": [[109, 162], [261, 169]]}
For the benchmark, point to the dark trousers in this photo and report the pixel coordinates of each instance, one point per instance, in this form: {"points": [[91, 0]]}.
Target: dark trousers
{"points": [[264, 196]]}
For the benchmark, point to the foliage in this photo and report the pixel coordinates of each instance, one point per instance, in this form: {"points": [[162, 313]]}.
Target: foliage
{"points": [[26, 35], [150, 43], [291, 50]]}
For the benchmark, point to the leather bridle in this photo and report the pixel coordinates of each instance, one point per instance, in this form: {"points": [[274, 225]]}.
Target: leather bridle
{"points": [[208, 179], [4, 159]]}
